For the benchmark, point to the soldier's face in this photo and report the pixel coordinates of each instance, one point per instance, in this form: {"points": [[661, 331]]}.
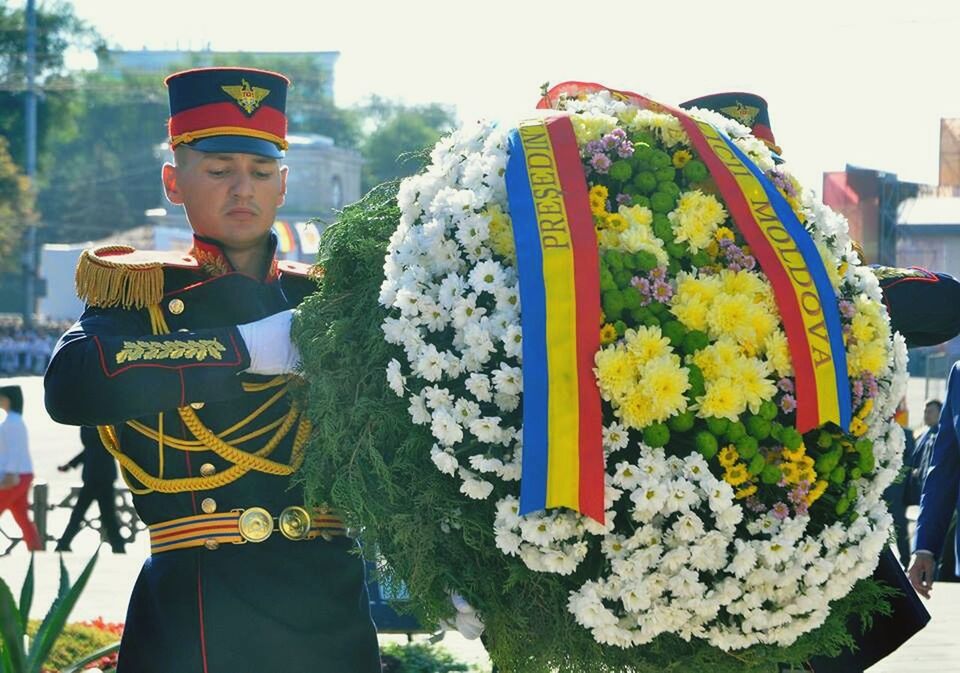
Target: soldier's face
{"points": [[931, 414], [232, 198]]}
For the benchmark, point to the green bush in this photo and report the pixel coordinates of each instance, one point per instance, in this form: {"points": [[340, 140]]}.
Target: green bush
{"points": [[74, 643], [419, 658]]}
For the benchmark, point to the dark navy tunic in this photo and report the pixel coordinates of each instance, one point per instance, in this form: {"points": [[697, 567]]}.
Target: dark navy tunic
{"points": [[279, 605]]}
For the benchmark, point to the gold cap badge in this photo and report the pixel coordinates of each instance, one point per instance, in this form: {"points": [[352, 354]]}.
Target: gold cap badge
{"points": [[247, 97]]}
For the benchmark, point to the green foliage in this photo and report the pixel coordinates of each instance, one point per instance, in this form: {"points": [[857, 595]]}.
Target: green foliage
{"points": [[368, 460], [16, 208], [76, 642], [13, 621], [418, 658]]}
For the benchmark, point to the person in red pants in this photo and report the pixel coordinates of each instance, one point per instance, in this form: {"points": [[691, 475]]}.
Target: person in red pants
{"points": [[16, 469]]}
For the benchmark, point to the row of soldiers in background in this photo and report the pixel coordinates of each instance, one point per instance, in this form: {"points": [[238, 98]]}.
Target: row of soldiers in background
{"points": [[27, 351]]}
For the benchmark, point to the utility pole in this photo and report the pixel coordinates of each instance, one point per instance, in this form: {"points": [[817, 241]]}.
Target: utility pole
{"points": [[30, 254]]}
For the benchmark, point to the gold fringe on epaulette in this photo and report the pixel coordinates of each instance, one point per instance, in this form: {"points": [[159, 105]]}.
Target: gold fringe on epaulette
{"points": [[106, 284]]}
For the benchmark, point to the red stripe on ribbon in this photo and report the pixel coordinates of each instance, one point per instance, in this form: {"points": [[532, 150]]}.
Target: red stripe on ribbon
{"points": [[586, 269], [266, 119]]}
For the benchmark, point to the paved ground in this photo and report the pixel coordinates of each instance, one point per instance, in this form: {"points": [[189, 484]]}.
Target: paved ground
{"points": [[936, 648]]}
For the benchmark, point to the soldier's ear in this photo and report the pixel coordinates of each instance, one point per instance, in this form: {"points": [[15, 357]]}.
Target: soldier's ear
{"points": [[170, 187]]}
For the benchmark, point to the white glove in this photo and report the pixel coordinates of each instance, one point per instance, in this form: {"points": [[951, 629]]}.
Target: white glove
{"points": [[466, 621], [268, 342]]}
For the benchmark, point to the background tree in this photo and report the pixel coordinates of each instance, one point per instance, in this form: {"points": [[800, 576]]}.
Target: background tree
{"points": [[401, 134], [16, 209]]}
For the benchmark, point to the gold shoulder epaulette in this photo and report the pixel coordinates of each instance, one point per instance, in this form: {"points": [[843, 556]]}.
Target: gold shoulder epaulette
{"points": [[291, 268], [118, 275]]}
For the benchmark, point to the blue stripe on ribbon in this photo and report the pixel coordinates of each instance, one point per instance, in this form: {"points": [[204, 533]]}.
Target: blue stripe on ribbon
{"points": [[808, 250], [533, 321]]}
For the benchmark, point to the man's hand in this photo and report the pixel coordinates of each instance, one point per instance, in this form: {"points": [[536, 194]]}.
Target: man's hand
{"points": [[466, 621], [921, 573], [268, 341]]}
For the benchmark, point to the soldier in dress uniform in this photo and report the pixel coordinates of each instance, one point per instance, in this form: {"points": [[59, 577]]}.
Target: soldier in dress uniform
{"points": [[925, 308], [185, 363]]}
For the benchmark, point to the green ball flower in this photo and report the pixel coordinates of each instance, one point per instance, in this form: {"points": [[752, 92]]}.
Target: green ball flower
{"points": [[757, 465], [656, 435], [735, 431], [768, 410], [771, 475], [697, 385], [839, 475], [758, 427], [662, 227], [695, 171], [612, 303], [682, 422], [717, 426], [706, 444], [792, 439], [842, 506], [641, 201], [644, 261], [662, 202], [632, 299], [621, 170], [645, 182], [747, 447], [675, 250], [824, 440], [660, 159], [666, 174]]}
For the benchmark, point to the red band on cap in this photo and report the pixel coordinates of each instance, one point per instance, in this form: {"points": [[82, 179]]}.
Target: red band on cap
{"points": [[265, 119]]}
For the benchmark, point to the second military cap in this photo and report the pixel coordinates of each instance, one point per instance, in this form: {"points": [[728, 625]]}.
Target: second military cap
{"points": [[747, 108]]}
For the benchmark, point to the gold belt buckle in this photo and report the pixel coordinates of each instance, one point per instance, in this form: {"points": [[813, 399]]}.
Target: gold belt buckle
{"points": [[256, 524], [295, 523]]}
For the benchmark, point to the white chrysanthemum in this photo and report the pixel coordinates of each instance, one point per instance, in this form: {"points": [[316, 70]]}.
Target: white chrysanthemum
{"points": [[395, 379], [445, 461]]}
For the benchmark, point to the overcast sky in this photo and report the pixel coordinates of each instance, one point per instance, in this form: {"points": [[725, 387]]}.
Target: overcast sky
{"points": [[847, 81]]}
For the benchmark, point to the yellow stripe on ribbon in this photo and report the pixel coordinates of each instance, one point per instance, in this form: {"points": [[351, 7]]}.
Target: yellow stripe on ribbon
{"points": [[563, 459]]}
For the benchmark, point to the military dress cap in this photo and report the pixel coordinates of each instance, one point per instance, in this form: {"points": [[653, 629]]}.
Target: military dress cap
{"points": [[747, 108], [229, 110]]}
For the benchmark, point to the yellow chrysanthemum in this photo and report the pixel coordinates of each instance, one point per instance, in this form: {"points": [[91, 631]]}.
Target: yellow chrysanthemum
{"points": [[617, 222], [724, 233], [681, 158], [717, 359], [635, 409], [696, 218], [745, 492], [608, 334], [778, 353], [794, 455], [705, 288], [646, 343], [818, 489], [728, 456], [501, 233], [591, 126], [691, 311], [728, 313], [791, 472], [640, 216], [736, 474], [752, 375], [616, 371], [723, 399], [857, 427], [598, 199], [665, 382], [608, 239]]}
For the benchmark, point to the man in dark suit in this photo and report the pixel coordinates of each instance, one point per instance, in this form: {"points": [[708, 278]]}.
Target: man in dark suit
{"points": [[940, 496], [98, 474]]}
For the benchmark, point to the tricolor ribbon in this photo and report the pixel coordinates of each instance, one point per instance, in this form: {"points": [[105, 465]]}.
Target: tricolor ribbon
{"points": [[558, 269], [787, 255]]}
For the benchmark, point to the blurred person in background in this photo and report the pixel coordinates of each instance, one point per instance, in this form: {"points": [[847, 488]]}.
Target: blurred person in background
{"points": [[16, 468], [98, 475]]}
